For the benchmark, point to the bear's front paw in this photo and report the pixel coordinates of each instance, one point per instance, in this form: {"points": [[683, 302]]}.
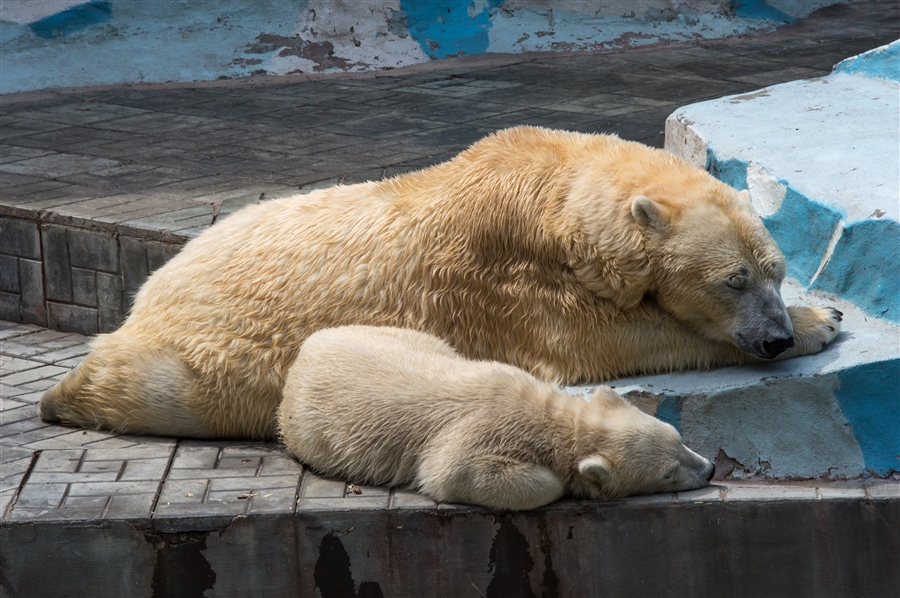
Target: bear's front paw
{"points": [[814, 328]]}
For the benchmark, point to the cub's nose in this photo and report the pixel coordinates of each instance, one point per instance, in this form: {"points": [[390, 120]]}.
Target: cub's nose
{"points": [[778, 346], [712, 472]]}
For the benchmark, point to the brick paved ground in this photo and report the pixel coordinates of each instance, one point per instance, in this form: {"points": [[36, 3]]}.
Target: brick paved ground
{"points": [[104, 174], [52, 473]]}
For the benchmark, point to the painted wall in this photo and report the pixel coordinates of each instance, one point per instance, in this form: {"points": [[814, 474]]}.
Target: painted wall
{"points": [[65, 43]]}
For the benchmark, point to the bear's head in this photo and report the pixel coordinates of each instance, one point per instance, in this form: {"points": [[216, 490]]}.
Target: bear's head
{"points": [[717, 269], [622, 451]]}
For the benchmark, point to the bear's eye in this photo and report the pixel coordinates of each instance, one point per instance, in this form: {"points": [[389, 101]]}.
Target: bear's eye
{"points": [[670, 473], [737, 282]]}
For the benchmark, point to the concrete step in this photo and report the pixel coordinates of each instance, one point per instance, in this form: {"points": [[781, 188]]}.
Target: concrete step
{"points": [[830, 415], [821, 159]]}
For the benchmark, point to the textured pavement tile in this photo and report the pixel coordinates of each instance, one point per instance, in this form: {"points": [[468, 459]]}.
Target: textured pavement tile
{"points": [[711, 493], [884, 490], [405, 499], [318, 487], [758, 492], [836, 492]]}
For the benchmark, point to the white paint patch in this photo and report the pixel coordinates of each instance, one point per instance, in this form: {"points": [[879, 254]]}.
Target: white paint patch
{"points": [[284, 65], [766, 192], [29, 11], [835, 139], [835, 237], [359, 33], [683, 141]]}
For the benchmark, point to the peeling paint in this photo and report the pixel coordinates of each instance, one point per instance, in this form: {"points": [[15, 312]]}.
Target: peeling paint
{"points": [[182, 41]]}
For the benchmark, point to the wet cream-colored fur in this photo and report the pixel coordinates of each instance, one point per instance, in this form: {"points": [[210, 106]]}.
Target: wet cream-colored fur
{"points": [[397, 407], [576, 257]]}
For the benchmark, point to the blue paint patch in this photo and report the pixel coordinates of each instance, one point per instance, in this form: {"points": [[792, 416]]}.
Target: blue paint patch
{"points": [[72, 19], [669, 411], [870, 399], [759, 9], [731, 172], [803, 229], [864, 268], [883, 63], [444, 28]]}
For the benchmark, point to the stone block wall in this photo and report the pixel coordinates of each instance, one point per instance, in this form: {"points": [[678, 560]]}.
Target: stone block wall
{"points": [[72, 279]]}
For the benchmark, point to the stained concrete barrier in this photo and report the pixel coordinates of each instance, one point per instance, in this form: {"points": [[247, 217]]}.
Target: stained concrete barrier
{"points": [[732, 541]]}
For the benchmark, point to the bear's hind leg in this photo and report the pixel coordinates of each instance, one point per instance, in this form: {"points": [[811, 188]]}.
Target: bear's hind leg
{"points": [[493, 482], [127, 387]]}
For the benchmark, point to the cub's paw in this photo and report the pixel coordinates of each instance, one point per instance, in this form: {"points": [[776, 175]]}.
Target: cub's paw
{"points": [[814, 328]]}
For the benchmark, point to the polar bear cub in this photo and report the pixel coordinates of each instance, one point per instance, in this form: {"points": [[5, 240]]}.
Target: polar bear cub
{"points": [[390, 406]]}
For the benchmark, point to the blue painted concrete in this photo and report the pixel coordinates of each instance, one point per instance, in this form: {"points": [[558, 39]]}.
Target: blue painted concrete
{"points": [[731, 172], [865, 268], [72, 19], [147, 41], [803, 229], [759, 9], [669, 411], [883, 63], [445, 28], [869, 395]]}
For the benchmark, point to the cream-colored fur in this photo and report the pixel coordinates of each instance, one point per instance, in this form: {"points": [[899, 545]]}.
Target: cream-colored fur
{"points": [[399, 407], [576, 257]]}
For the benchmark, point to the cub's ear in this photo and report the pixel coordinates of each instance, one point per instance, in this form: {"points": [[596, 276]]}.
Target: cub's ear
{"points": [[597, 469], [649, 214], [604, 394], [744, 198]]}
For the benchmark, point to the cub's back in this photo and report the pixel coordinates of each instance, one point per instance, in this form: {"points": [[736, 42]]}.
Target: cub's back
{"points": [[364, 402]]}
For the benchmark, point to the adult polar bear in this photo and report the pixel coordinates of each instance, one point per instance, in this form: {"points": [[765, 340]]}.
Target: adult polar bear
{"points": [[576, 257]]}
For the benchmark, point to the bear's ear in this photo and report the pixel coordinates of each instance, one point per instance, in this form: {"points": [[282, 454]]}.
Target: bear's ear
{"points": [[597, 469], [744, 198], [649, 214]]}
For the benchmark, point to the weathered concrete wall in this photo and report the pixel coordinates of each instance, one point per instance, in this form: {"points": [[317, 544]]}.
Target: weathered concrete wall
{"points": [[820, 159], [66, 43], [773, 548]]}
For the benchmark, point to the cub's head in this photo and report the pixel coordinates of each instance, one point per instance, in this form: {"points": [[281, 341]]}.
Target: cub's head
{"points": [[623, 451], [717, 269]]}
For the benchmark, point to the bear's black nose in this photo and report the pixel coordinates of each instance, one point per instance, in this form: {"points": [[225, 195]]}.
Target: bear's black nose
{"points": [[778, 346], [712, 472]]}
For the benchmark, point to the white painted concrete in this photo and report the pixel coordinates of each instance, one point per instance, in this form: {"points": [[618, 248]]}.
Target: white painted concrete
{"points": [[836, 139]]}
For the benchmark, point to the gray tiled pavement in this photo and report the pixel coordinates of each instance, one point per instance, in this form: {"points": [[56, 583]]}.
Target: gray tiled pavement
{"points": [[53, 473]]}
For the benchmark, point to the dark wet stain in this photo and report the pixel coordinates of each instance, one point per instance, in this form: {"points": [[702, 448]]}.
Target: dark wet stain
{"points": [[550, 581], [181, 569], [332, 573], [511, 562]]}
